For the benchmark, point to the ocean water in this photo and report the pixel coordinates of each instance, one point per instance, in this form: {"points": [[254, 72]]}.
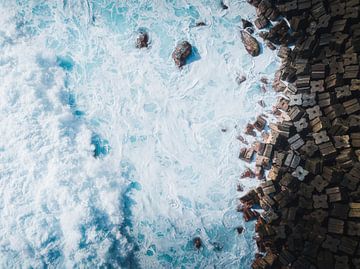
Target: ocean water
{"points": [[111, 156]]}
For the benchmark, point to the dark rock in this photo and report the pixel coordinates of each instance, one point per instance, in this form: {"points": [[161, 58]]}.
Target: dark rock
{"points": [[261, 22], [240, 79], [249, 214], [197, 242], [142, 40], [200, 23], [270, 45], [248, 173], [251, 44], [249, 130], [240, 229], [262, 103], [223, 6], [181, 52], [246, 24]]}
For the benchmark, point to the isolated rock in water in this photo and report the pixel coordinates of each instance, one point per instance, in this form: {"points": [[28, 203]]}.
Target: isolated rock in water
{"points": [[142, 40], [200, 23], [223, 6], [240, 229], [197, 242], [251, 44], [181, 52], [240, 79]]}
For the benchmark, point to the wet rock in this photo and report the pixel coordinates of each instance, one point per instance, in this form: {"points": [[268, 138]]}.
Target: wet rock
{"points": [[246, 24], [249, 130], [240, 79], [240, 229], [242, 140], [270, 45], [217, 246], [181, 52], [264, 35], [264, 80], [200, 23], [142, 40], [239, 188], [251, 44], [197, 242], [261, 103], [249, 214], [248, 173], [223, 6]]}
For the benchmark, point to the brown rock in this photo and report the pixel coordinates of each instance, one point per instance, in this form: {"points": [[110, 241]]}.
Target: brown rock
{"points": [[249, 130], [251, 44], [248, 173], [142, 40], [181, 52]]}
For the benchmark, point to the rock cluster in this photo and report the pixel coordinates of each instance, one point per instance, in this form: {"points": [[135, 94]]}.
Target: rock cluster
{"points": [[311, 194]]}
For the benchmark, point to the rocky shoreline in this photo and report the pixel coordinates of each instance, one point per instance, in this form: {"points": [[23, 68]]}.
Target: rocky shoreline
{"points": [[310, 195]]}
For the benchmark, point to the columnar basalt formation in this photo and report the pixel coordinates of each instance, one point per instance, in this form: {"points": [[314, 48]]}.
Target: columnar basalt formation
{"points": [[311, 194]]}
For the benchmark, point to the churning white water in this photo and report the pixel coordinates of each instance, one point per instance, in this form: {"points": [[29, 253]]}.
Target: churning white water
{"points": [[73, 85]]}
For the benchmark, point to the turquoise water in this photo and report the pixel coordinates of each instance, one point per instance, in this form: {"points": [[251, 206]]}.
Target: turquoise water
{"points": [[111, 156]]}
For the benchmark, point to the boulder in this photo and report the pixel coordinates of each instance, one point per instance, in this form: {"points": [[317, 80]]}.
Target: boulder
{"points": [[142, 40], [181, 52], [251, 44], [197, 242]]}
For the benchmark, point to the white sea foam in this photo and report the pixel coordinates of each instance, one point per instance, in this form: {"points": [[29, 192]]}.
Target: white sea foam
{"points": [[69, 75]]}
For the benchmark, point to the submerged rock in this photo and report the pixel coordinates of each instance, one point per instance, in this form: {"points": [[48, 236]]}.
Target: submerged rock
{"points": [[223, 6], [142, 40], [240, 79], [197, 242], [181, 52], [251, 44]]}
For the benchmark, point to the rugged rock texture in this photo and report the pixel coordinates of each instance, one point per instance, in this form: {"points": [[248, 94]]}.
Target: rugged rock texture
{"points": [[142, 40], [311, 195], [181, 52], [251, 44]]}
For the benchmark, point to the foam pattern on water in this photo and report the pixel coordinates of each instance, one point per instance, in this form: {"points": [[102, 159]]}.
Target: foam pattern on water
{"points": [[73, 87]]}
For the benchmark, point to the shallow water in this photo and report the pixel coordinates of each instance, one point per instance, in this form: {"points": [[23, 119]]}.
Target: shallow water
{"points": [[111, 156]]}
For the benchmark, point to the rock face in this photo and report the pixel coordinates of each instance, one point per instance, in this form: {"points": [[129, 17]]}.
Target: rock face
{"points": [[142, 40], [181, 52], [251, 44]]}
